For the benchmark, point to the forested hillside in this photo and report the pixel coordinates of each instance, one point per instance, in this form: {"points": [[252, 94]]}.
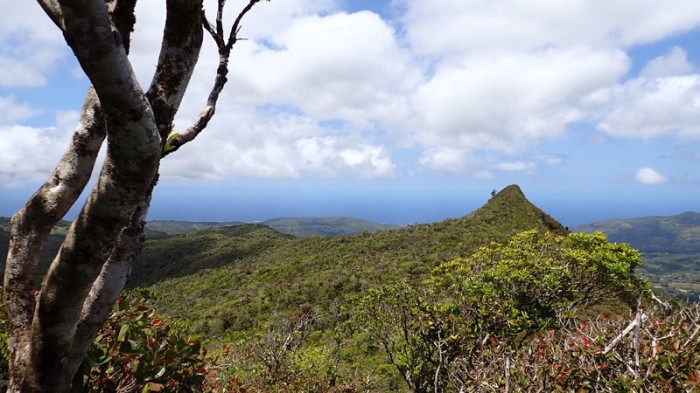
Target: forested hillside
{"points": [[502, 299], [679, 234], [670, 249], [277, 274]]}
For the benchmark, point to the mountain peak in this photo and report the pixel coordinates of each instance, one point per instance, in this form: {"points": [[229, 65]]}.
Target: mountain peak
{"points": [[510, 211]]}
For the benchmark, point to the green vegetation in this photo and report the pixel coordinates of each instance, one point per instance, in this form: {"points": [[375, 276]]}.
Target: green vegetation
{"points": [[670, 248], [678, 234], [297, 226], [281, 273], [324, 226], [503, 299], [170, 227], [502, 292]]}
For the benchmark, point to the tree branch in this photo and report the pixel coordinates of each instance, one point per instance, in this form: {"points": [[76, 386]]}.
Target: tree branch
{"points": [[220, 81], [182, 41], [53, 10], [33, 223]]}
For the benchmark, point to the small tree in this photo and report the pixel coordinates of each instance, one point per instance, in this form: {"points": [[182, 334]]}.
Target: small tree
{"points": [[48, 336], [503, 293]]}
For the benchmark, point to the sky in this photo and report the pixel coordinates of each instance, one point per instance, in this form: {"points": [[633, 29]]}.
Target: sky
{"points": [[397, 111]]}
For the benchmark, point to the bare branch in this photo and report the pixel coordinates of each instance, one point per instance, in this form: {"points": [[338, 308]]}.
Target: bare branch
{"points": [[212, 31], [637, 320], [219, 18], [179, 52], [127, 175], [220, 81], [53, 10], [233, 35]]}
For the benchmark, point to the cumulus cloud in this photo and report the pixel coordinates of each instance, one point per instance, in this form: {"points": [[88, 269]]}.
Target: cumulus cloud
{"points": [[526, 167], [302, 72], [649, 177], [13, 111], [446, 160], [648, 108], [482, 25], [30, 154], [30, 45], [672, 64], [346, 66], [315, 90], [506, 101]]}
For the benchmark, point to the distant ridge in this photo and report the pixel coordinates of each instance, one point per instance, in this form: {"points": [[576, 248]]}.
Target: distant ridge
{"points": [[679, 234], [324, 226]]}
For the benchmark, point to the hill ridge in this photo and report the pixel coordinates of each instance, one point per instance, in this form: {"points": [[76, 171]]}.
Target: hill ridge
{"points": [[236, 294]]}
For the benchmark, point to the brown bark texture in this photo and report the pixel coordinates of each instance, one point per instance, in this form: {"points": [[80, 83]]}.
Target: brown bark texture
{"points": [[50, 331]]}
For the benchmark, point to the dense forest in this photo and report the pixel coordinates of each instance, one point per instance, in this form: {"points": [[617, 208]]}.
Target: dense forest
{"points": [[503, 299]]}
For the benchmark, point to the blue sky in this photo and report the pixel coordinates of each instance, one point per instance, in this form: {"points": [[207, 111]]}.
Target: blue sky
{"points": [[398, 111]]}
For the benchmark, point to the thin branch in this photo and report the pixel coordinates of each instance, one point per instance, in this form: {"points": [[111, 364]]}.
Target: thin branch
{"points": [[211, 30], [237, 24], [220, 81], [637, 320], [219, 18]]}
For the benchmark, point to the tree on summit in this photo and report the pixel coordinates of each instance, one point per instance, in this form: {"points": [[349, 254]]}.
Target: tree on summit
{"points": [[50, 331]]}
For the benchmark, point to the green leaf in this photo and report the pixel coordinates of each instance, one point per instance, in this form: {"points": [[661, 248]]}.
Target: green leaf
{"points": [[123, 332], [167, 147]]}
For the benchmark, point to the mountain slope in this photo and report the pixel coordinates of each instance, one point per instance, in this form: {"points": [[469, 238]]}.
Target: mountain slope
{"points": [[670, 249], [678, 234], [188, 253], [324, 226], [317, 271]]}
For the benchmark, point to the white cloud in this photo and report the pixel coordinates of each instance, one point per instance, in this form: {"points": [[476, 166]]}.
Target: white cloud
{"points": [[483, 174], [30, 154], [309, 69], [649, 108], [332, 156], [526, 167], [484, 25], [12, 111], [346, 66], [446, 160], [673, 64], [318, 91], [551, 159], [30, 45], [649, 177], [507, 101]]}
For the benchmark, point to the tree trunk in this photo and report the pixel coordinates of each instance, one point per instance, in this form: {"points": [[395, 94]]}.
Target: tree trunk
{"points": [[50, 332], [49, 335]]}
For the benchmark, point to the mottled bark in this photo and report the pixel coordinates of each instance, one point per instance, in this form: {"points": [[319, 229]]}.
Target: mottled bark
{"points": [[50, 334], [33, 223]]}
